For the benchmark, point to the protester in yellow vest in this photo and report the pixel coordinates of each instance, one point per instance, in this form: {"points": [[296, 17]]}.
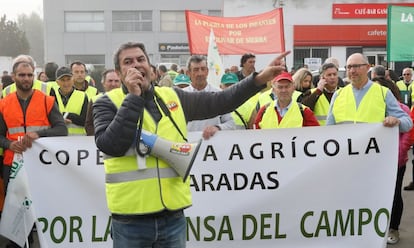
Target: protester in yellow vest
{"points": [[242, 115], [73, 104], [78, 69], [406, 86], [363, 101], [37, 84], [319, 98], [145, 195], [50, 70], [268, 96], [284, 112]]}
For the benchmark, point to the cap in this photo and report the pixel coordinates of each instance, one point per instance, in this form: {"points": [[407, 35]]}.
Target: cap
{"points": [[181, 79], [229, 78], [284, 75], [63, 71]]}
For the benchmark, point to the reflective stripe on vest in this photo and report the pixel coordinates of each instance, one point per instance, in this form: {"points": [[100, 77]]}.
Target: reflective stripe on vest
{"points": [[371, 109], [35, 118], [141, 175], [14, 130], [130, 189]]}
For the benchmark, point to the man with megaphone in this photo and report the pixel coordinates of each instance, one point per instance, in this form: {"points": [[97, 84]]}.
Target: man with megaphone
{"points": [[141, 128]]}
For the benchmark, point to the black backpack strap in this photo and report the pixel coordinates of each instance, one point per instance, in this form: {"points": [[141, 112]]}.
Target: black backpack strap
{"points": [[167, 112], [301, 109], [241, 118]]}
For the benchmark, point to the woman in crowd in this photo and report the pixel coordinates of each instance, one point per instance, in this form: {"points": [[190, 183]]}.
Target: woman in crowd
{"points": [[303, 82], [42, 77]]}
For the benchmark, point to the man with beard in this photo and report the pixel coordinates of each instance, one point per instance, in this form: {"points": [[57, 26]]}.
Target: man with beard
{"points": [[26, 115], [37, 84]]}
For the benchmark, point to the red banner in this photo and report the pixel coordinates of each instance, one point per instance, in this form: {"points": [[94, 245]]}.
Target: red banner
{"points": [[362, 10], [259, 34]]}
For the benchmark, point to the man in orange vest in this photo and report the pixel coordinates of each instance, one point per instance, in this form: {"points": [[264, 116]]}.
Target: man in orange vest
{"points": [[26, 115]]}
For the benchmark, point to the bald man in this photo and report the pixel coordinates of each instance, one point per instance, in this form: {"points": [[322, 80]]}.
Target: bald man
{"points": [[371, 102]]}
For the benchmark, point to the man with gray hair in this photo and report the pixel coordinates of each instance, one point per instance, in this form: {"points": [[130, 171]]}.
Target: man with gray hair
{"points": [[406, 87], [377, 71], [365, 101], [198, 71]]}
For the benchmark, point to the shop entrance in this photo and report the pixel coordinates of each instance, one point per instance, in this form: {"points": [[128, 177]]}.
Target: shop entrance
{"points": [[377, 58]]}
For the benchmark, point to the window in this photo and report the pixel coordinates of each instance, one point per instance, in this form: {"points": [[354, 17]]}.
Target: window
{"points": [[87, 59], [299, 54], [130, 21], [179, 59], [214, 13], [173, 21], [84, 21]]}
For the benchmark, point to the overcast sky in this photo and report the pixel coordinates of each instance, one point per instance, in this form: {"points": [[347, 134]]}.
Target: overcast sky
{"points": [[12, 8]]}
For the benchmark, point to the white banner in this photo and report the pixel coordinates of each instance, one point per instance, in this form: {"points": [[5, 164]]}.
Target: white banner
{"points": [[308, 187], [214, 63], [18, 216]]}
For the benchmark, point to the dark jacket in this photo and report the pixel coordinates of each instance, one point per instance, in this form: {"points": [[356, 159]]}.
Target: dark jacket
{"points": [[115, 129]]}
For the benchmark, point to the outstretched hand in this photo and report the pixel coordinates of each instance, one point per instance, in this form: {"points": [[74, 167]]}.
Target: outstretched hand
{"points": [[276, 67]]}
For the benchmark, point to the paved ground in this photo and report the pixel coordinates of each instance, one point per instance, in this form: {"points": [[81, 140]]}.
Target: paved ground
{"points": [[406, 227], [407, 221]]}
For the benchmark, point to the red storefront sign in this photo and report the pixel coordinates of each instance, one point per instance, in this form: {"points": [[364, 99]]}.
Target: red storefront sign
{"points": [[359, 10], [340, 35]]}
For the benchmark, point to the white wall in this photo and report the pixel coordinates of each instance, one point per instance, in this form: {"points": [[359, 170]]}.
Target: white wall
{"points": [[298, 12]]}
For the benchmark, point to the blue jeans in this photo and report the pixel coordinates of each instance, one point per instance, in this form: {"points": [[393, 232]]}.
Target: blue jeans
{"points": [[166, 230]]}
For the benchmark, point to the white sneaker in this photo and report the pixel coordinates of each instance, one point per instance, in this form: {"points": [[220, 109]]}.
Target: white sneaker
{"points": [[393, 237]]}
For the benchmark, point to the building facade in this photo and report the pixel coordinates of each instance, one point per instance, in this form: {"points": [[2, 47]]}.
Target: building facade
{"points": [[92, 30], [318, 29]]}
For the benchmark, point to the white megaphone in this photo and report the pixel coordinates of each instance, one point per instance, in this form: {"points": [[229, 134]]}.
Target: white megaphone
{"points": [[179, 156]]}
